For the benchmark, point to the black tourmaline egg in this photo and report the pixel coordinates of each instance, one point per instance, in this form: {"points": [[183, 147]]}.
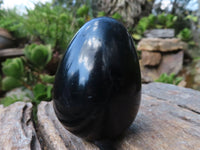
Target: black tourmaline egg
{"points": [[97, 87]]}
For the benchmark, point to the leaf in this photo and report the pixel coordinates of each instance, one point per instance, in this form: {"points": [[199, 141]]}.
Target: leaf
{"points": [[82, 11], [39, 91], [170, 79], [8, 100], [9, 83], [117, 16], [49, 90], [13, 67], [185, 34], [136, 36], [39, 55], [101, 14], [178, 80], [159, 26], [192, 17], [47, 78], [42, 92], [80, 21]]}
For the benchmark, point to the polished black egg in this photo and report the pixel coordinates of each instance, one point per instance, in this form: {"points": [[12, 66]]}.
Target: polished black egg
{"points": [[97, 87]]}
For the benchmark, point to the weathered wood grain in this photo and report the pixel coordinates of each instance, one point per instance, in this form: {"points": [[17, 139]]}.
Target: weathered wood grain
{"points": [[16, 128], [11, 52], [54, 136], [168, 119]]}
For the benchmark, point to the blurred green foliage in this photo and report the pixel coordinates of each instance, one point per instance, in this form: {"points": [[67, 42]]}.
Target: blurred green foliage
{"points": [[101, 14], [185, 34], [161, 21], [9, 83], [28, 71], [164, 21], [82, 11], [117, 16], [50, 25], [53, 26], [13, 67], [42, 92], [13, 22], [192, 18], [38, 55], [170, 79], [6, 101]]}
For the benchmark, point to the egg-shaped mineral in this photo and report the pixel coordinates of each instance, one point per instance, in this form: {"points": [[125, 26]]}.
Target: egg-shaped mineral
{"points": [[97, 87]]}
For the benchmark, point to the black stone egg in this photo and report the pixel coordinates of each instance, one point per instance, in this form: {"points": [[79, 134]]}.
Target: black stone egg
{"points": [[97, 87]]}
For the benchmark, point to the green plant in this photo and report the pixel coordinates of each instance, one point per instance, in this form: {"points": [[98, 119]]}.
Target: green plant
{"points": [[117, 16], [54, 25], [192, 18], [46, 24], [13, 22], [42, 92], [82, 11], [140, 28], [51, 25], [14, 70], [8, 100], [185, 34], [13, 67], [165, 20], [171, 79], [196, 59], [0, 81], [101, 14], [152, 21], [38, 55], [9, 83], [82, 16], [29, 72]]}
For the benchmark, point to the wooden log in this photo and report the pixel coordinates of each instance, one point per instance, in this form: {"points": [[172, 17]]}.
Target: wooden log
{"points": [[168, 119], [11, 52], [54, 136], [16, 128]]}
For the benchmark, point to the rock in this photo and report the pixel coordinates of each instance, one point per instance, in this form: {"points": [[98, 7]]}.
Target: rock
{"points": [[16, 128], [54, 136], [183, 83], [6, 40], [160, 33], [152, 65], [148, 74], [163, 45], [171, 63], [196, 75], [169, 118], [20, 93], [151, 58]]}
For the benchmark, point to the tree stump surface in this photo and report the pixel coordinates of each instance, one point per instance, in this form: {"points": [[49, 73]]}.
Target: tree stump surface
{"points": [[168, 119], [16, 128]]}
